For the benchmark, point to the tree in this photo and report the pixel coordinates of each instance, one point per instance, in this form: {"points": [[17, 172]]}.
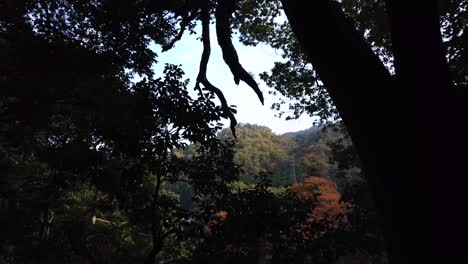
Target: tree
{"points": [[73, 122], [351, 72], [368, 98], [261, 225]]}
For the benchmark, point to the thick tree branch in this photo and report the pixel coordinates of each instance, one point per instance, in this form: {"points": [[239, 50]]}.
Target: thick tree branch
{"points": [[358, 83], [417, 43], [223, 14], [203, 68], [423, 76]]}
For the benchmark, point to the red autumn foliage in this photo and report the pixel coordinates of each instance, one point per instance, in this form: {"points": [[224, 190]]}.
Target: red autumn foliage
{"points": [[329, 210]]}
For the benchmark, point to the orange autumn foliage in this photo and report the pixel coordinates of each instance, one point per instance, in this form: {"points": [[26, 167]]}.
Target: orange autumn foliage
{"points": [[222, 215], [219, 217], [329, 209]]}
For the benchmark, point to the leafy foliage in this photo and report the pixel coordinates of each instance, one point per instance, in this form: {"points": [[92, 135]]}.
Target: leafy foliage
{"points": [[79, 139], [91, 161], [260, 150]]}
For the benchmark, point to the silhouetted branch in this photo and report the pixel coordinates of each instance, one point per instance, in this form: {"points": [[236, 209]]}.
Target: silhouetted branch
{"points": [[223, 14], [183, 25], [203, 67]]}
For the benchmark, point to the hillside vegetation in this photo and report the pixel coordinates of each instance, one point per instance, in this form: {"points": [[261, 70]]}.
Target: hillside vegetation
{"points": [[304, 153]]}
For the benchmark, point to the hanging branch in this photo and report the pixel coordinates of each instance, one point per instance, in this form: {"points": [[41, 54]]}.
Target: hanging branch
{"points": [[223, 13], [229, 112]]}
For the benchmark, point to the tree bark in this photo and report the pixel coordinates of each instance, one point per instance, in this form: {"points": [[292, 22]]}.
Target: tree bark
{"points": [[390, 120], [422, 70]]}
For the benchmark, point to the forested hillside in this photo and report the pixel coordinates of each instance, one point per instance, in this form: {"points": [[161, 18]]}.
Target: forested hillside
{"points": [[300, 154]]}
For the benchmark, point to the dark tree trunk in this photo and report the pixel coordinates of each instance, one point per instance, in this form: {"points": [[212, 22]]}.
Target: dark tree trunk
{"points": [[392, 121], [156, 229]]}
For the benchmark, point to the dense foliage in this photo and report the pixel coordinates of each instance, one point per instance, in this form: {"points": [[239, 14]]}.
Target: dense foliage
{"points": [[100, 168], [260, 150], [80, 140]]}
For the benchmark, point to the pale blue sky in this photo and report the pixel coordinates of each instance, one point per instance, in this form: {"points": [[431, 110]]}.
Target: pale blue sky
{"points": [[254, 59]]}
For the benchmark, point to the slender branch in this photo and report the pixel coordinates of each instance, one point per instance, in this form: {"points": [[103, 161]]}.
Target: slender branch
{"points": [[183, 25], [223, 14]]}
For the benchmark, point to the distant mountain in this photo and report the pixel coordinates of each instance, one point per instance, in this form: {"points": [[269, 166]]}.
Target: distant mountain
{"points": [[311, 130], [259, 149], [304, 152], [291, 157]]}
